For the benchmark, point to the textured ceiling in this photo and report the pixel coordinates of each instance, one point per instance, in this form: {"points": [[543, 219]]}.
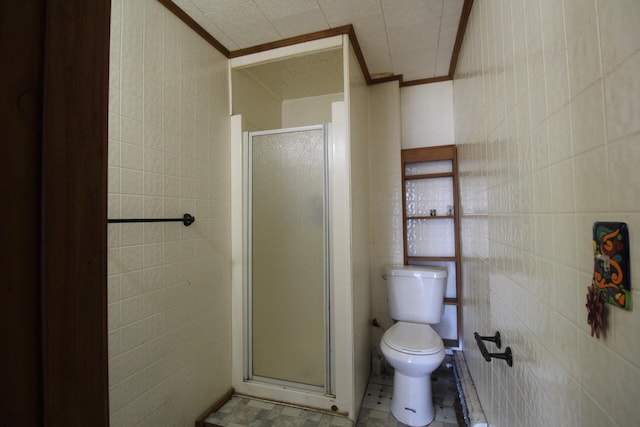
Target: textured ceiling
{"points": [[412, 38]]}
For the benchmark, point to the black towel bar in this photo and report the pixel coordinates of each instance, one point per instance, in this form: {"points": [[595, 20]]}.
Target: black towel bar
{"points": [[507, 355], [186, 219]]}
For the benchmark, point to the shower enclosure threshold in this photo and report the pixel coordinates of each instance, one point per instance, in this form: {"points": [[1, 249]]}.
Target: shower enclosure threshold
{"points": [[473, 413]]}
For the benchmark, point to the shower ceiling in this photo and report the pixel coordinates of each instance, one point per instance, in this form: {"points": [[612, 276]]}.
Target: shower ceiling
{"points": [[411, 38]]}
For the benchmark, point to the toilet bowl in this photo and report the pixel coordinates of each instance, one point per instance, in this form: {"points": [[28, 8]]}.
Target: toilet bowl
{"points": [[414, 351], [411, 346]]}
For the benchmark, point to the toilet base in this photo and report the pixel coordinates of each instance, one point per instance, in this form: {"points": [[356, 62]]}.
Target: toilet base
{"points": [[412, 402]]}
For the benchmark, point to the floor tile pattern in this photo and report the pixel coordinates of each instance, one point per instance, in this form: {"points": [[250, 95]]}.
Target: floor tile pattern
{"points": [[375, 412]]}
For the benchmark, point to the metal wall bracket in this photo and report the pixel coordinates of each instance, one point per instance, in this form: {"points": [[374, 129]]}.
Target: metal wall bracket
{"points": [[507, 355]]}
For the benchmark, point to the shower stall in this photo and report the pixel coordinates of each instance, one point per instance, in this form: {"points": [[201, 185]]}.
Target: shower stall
{"points": [[300, 254], [287, 258]]}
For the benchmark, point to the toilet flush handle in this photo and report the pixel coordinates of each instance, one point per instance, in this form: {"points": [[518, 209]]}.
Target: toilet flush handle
{"points": [[384, 276]]}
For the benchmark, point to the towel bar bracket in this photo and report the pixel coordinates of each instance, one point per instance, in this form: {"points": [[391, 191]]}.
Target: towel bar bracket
{"points": [[497, 339], [507, 355]]}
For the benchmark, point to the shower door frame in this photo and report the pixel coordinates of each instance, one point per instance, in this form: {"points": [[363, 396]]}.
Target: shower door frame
{"points": [[329, 382]]}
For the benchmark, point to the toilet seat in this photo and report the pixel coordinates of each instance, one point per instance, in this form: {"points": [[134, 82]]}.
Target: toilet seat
{"points": [[413, 338]]}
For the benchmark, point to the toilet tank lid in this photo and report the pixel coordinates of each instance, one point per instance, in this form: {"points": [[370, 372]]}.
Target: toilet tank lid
{"points": [[416, 271]]}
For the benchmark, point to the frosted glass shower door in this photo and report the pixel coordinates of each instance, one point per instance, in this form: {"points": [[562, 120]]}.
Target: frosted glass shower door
{"points": [[288, 265]]}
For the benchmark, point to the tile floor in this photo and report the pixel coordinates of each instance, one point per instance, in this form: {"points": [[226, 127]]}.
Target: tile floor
{"points": [[245, 412], [376, 405]]}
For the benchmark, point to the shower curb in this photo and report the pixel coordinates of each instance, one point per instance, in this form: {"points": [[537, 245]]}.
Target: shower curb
{"points": [[472, 409]]}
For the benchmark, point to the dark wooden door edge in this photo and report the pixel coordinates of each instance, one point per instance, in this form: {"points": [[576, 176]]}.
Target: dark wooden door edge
{"points": [[74, 207]]}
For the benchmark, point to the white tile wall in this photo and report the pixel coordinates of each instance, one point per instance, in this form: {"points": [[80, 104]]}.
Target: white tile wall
{"points": [[547, 101], [168, 285], [360, 229], [385, 195]]}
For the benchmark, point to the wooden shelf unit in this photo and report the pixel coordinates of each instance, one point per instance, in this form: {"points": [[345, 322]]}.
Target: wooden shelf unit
{"points": [[436, 154]]}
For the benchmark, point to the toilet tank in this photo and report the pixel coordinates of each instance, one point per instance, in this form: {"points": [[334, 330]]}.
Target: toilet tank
{"points": [[416, 293]]}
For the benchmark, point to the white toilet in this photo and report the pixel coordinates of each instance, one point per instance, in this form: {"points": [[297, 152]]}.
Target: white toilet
{"points": [[411, 346]]}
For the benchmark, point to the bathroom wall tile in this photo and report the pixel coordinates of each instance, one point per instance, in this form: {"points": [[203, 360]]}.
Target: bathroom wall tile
{"points": [[130, 258], [541, 191], [591, 352], [153, 302], [130, 310], [562, 190], [556, 79], [114, 180], [115, 403], [187, 166], [622, 88], [154, 327], [152, 255], [152, 207], [619, 24], [592, 192], [623, 157], [584, 240], [158, 70], [133, 387], [565, 345], [538, 96], [131, 105], [114, 152], [116, 30], [625, 341], [132, 16], [131, 156], [131, 131], [187, 188], [553, 28], [115, 370], [587, 119], [560, 138], [131, 181], [152, 184], [114, 132], [153, 160], [131, 336], [114, 69], [153, 278], [171, 186], [153, 137], [565, 284], [113, 261], [523, 116], [130, 207], [113, 288], [171, 231], [114, 103], [625, 410], [171, 164], [558, 194], [582, 44], [540, 146], [153, 232], [131, 284]]}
